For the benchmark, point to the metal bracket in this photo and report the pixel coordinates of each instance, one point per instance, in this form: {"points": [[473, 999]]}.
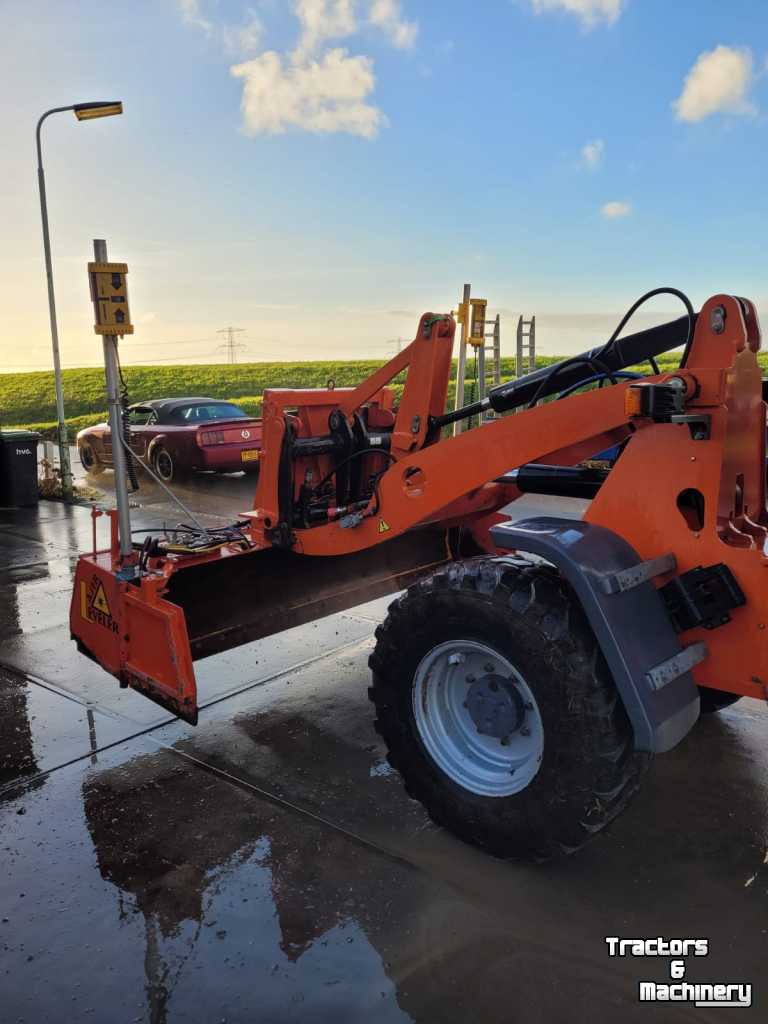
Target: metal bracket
{"points": [[618, 582], [662, 674], [699, 424]]}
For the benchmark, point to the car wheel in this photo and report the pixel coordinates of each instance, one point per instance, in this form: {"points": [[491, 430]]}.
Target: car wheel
{"points": [[163, 464], [89, 460]]}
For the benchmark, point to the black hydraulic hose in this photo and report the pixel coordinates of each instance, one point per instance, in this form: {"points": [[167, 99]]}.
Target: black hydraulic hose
{"points": [[350, 458], [130, 464], [615, 341], [599, 378], [597, 366], [633, 349], [614, 345]]}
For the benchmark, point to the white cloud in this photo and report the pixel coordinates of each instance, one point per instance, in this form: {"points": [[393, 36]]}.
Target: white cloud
{"points": [[240, 40], [589, 12], [321, 96], [312, 87], [614, 210], [322, 20], [192, 15], [387, 16], [719, 82], [592, 154], [246, 39]]}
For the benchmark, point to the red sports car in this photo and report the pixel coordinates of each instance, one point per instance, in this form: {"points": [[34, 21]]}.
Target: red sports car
{"points": [[179, 435]]}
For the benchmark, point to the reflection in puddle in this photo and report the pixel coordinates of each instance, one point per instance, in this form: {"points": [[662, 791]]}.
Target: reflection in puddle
{"points": [[17, 751], [232, 884]]}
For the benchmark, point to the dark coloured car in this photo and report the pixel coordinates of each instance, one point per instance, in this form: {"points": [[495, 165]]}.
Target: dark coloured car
{"points": [[180, 435]]}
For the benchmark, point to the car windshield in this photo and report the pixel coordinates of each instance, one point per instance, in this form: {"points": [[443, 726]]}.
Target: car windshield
{"points": [[209, 411], [139, 415]]}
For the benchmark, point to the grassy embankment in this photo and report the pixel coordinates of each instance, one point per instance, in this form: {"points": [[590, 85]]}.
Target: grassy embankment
{"points": [[27, 399]]}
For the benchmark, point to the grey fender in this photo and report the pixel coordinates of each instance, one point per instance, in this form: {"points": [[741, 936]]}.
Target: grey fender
{"points": [[628, 616]]}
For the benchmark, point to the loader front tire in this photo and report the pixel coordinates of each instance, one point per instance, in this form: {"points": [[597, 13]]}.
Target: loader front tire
{"points": [[498, 709]]}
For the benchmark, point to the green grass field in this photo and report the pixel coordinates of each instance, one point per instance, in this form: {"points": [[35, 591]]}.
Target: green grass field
{"points": [[27, 399]]}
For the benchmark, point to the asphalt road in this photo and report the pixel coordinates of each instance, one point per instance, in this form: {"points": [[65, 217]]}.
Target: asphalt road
{"points": [[268, 866]]}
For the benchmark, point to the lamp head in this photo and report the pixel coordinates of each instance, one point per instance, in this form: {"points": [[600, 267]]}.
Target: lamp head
{"points": [[88, 111]]}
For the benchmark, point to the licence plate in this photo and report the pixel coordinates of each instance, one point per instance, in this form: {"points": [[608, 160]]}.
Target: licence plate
{"points": [[250, 455]]}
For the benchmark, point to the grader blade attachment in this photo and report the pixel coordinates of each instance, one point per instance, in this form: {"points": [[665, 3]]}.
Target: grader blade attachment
{"points": [[149, 642], [234, 601]]}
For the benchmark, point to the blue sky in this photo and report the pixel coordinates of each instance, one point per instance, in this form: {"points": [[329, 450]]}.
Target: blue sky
{"points": [[320, 172]]}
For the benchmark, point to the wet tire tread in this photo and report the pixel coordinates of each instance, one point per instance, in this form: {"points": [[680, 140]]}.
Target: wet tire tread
{"points": [[590, 769]]}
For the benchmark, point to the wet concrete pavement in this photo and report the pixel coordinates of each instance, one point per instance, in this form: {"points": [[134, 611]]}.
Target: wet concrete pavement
{"points": [[214, 497], [267, 866]]}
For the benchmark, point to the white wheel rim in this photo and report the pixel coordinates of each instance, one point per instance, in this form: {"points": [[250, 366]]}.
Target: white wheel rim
{"points": [[483, 764]]}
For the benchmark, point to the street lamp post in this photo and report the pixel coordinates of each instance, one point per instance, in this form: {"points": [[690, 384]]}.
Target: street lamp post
{"points": [[83, 112]]}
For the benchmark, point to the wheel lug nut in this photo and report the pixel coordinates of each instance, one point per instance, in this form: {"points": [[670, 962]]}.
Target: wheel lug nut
{"points": [[470, 678], [505, 741]]}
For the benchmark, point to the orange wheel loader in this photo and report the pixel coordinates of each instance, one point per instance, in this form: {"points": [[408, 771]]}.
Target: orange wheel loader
{"points": [[530, 668]]}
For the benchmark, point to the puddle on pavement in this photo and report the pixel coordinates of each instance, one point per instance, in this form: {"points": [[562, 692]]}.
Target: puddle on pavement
{"points": [[139, 885], [41, 730], [145, 889]]}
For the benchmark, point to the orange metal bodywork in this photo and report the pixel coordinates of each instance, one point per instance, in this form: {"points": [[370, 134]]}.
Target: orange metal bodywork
{"points": [[450, 481], [662, 462], [131, 631]]}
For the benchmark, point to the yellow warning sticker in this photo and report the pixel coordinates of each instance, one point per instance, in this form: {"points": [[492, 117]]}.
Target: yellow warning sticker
{"points": [[94, 606], [383, 526], [99, 599]]}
